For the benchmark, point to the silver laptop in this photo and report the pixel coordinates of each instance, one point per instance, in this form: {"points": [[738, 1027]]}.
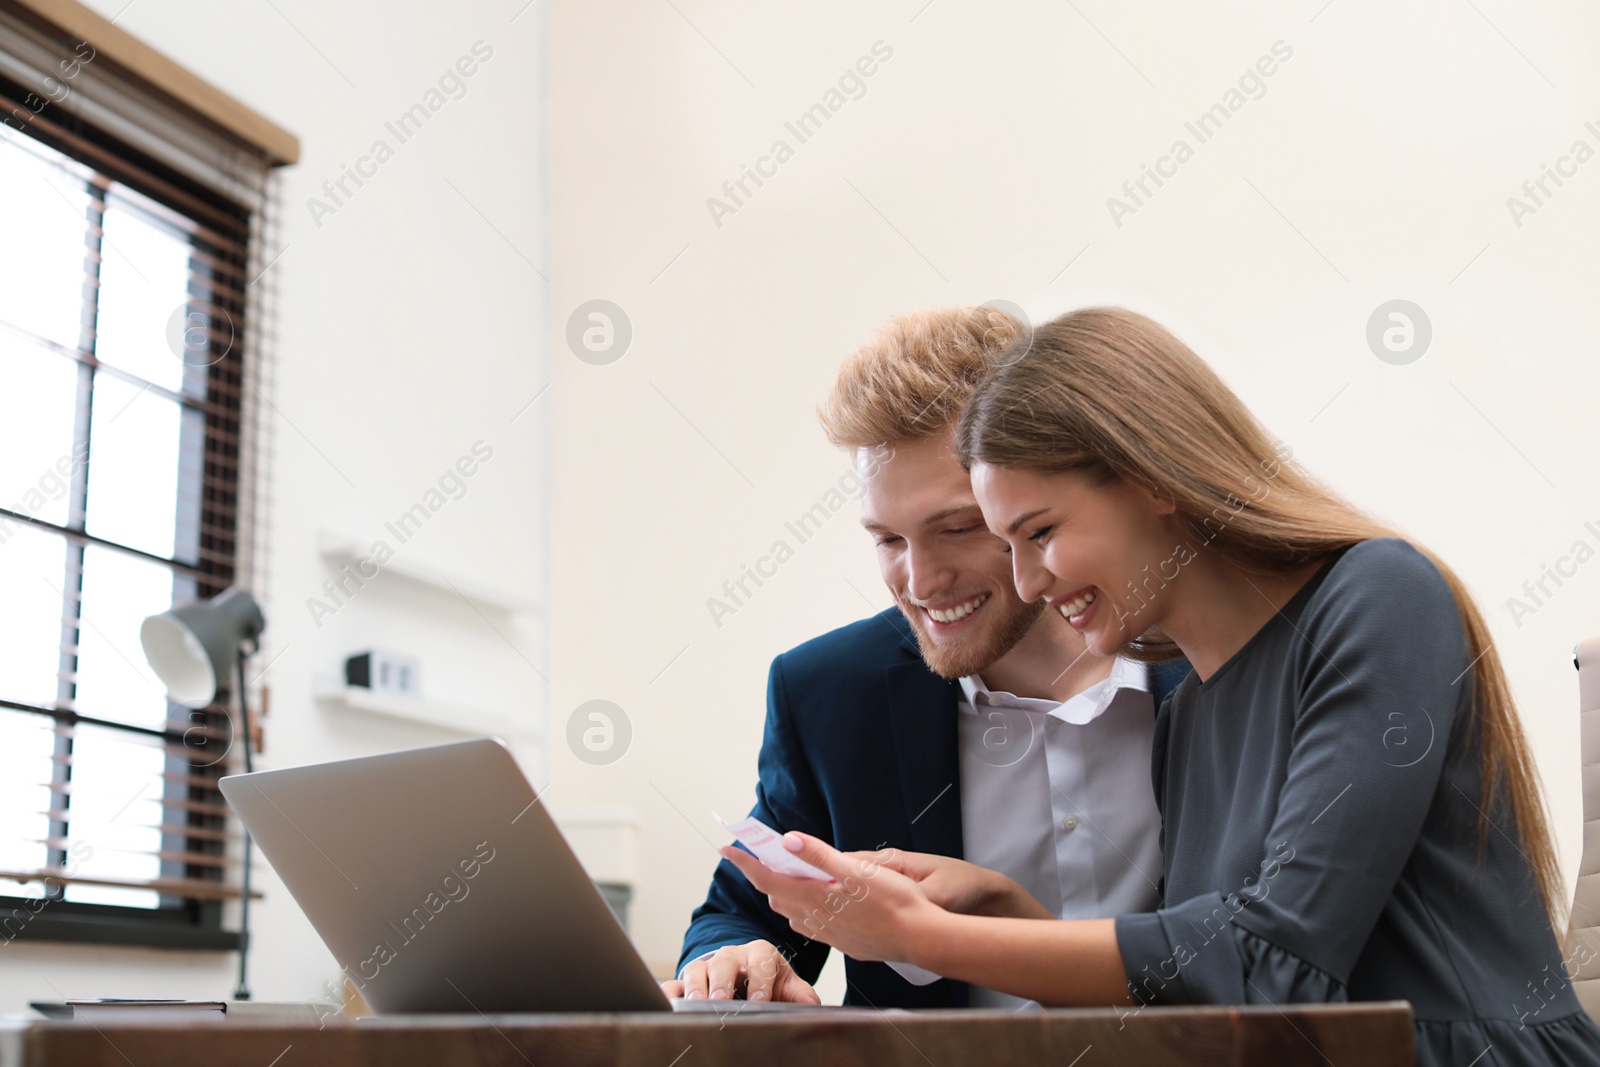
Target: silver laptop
{"points": [[440, 884]]}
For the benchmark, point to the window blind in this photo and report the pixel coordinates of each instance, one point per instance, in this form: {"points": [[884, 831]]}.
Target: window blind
{"points": [[134, 288]]}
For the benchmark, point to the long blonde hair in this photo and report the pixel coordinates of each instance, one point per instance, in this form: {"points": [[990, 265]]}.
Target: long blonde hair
{"points": [[1112, 394]]}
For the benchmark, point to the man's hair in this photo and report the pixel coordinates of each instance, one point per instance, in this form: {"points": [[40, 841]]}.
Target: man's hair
{"points": [[912, 380]]}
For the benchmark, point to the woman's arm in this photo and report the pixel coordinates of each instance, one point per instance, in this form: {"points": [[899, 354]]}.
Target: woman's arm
{"points": [[1064, 963], [871, 911]]}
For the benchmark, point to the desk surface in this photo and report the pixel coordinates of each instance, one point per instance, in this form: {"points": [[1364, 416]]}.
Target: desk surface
{"points": [[1368, 1035]]}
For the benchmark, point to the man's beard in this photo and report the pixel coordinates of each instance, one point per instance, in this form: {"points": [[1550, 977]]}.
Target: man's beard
{"points": [[969, 656]]}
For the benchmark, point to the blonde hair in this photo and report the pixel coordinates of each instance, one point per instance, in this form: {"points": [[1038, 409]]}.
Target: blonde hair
{"points": [[1081, 399], [913, 378]]}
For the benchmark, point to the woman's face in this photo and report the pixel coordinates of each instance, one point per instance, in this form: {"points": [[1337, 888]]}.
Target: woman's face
{"points": [[1104, 556]]}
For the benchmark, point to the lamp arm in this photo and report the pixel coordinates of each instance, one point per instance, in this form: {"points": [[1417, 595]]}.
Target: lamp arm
{"points": [[243, 990]]}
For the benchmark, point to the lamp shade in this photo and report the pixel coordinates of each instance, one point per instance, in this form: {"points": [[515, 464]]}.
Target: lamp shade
{"points": [[193, 646]]}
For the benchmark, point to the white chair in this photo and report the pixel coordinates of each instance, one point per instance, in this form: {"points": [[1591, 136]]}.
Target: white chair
{"points": [[1583, 933]]}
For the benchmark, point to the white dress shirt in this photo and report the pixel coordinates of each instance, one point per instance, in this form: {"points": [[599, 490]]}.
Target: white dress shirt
{"points": [[1057, 796]]}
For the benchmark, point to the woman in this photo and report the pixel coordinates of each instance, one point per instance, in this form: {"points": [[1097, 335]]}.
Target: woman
{"points": [[1350, 809]]}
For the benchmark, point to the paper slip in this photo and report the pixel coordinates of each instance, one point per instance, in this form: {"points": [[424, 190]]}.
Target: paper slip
{"points": [[914, 974], [766, 844]]}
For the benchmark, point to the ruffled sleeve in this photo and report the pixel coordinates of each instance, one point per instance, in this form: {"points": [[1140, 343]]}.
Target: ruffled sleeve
{"points": [[1194, 953]]}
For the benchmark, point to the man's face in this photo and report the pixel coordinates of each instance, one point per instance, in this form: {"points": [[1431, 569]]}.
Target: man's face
{"points": [[949, 575]]}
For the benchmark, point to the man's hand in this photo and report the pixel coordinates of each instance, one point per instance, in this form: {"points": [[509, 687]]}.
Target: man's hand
{"points": [[754, 971], [958, 886]]}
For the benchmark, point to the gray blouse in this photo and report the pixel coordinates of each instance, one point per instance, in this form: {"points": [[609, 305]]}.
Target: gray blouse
{"points": [[1320, 802]]}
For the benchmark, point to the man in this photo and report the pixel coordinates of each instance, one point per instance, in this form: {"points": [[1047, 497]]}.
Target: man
{"points": [[962, 721]]}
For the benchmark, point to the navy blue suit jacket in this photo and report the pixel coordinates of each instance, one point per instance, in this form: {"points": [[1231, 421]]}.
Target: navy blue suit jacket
{"points": [[860, 750]]}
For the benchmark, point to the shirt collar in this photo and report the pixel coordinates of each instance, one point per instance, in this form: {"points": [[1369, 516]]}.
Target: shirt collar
{"points": [[1078, 709]]}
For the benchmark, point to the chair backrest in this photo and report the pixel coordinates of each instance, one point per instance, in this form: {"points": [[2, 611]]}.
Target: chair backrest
{"points": [[1583, 934]]}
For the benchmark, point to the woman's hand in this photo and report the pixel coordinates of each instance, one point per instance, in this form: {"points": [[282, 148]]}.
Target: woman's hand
{"points": [[869, 911], [959, 886]]}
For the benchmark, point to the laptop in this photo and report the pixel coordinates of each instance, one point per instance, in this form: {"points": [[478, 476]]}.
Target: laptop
{"points": [[441, 884]]}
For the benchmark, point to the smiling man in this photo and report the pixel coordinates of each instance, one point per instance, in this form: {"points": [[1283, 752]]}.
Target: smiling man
{"points": [[963, 721]]}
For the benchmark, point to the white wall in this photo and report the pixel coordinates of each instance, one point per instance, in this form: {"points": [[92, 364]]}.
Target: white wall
{"points": [[410, 326], [977, 166]]}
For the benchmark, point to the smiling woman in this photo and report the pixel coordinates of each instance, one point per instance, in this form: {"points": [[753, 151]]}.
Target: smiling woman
{"points": [[1308, 625]]}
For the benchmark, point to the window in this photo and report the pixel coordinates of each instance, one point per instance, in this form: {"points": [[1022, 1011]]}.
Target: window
{"points": [[124, 292]]}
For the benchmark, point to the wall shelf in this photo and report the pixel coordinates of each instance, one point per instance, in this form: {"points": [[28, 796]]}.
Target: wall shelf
{"points": [[452, 715], [338, 550]]}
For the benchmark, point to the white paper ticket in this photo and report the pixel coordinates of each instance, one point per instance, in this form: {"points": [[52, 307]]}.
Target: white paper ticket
{"points": [[766, 844], [914, 974]]}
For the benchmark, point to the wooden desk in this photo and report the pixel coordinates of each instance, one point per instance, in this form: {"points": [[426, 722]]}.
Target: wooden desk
{"points": [[1365, 1035]]}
